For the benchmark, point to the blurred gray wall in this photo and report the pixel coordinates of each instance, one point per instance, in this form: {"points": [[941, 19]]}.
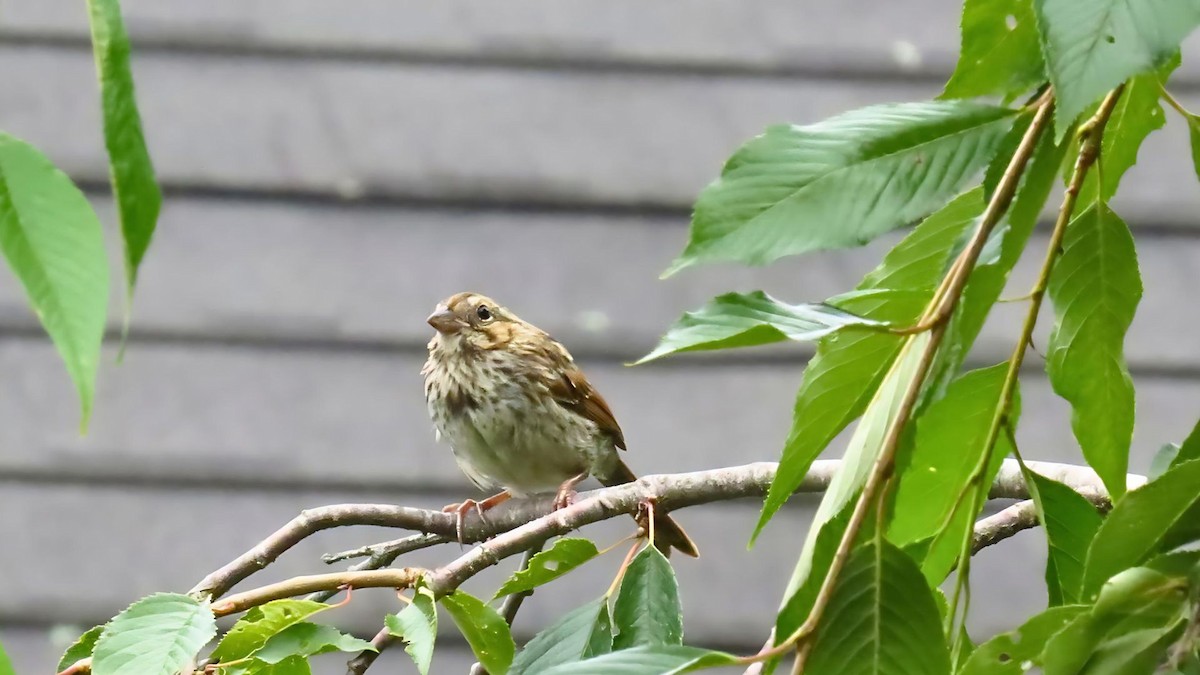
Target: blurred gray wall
{"points": [[332, 169]]}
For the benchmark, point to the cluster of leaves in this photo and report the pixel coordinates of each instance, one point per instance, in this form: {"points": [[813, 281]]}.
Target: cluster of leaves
{"points": [[1122, 597], [51, 236], [1123, 588], [637, 621]]}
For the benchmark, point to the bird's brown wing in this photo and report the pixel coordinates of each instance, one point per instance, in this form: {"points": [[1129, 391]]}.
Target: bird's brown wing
{"points": [[575, 393]]}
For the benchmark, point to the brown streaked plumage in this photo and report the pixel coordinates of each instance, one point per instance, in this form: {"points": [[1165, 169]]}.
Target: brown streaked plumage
{"points": [[517, 412]]}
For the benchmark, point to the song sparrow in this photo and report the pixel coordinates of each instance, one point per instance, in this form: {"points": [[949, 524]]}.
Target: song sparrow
{"points": [[518, 413]]}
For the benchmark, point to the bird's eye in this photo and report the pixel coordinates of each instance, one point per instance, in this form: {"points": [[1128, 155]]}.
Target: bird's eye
{"points": [[483, 313]]}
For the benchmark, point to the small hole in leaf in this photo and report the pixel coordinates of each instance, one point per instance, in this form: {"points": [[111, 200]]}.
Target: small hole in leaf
{"points": [[1004, 658], [1110, 39], [1011, 22]]}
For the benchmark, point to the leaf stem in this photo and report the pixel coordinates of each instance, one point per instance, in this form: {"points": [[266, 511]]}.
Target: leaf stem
{"points": [[616, 582], [1090, 133], [1172, 101]]}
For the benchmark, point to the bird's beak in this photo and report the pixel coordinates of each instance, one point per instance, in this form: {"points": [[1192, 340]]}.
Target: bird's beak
{"points": [[443, 320]]}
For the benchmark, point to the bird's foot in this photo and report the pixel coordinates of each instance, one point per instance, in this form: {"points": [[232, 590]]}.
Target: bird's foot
{"points": [[461, 509], [566, 492], [563, 499]]}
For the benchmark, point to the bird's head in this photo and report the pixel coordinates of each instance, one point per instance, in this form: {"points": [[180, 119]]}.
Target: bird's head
{"points": [[476, 321]]}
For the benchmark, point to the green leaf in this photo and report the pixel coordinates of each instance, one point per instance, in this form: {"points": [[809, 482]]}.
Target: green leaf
{"points": [[309, 639], [80, 649], [1070, 522], [657, 660], [292, 665], [1190, 448], [996, 261], [55, 245], [751, 319], [1136, 115], [1095, 288], [861, 451], [416, 625], [1162, 511], [949, 444], [798, 604], [486, 631], [581, 634], [254, 629], [966, 645], [943, 550], [1126, 629], [1091, 46], [157, 635], [848, 366], [1193, 122], [1000, 53], [564, 556], [841, 182], [134, 186], [882, 619], [1011, 653], [647, 611], [1163, 460], [6, 667]]}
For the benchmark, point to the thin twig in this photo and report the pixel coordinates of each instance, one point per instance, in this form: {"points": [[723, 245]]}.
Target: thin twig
{"points": [[1090, 136], [381, 555], [384, 553]]}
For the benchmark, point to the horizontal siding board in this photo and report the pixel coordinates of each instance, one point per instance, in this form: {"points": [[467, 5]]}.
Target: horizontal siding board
{"points": [[763, 34], [114, 545], [766, 35], [490, 135], [282, 418], [288, 273]]}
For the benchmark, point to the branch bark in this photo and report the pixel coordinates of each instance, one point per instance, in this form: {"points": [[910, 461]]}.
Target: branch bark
{"points": [[531, 520], [671, 491], [522, 524]]}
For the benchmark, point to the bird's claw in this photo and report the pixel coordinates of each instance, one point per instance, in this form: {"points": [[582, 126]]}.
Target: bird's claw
{"points": [[563, 498], [566, 492], [460, 510]]}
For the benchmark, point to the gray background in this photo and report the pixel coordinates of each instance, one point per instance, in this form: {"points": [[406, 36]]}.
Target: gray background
{"points": [[332, 169]]}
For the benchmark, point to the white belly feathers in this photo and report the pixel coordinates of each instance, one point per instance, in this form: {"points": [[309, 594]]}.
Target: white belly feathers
{"points": [[503, 438]]}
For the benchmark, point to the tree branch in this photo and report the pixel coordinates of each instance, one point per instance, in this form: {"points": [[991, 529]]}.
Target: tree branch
{"points": [[399, 578], [671, 491], [522, 524]]}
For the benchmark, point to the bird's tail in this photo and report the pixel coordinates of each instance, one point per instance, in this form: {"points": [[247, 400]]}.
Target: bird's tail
{"points": [[667, 533]]}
